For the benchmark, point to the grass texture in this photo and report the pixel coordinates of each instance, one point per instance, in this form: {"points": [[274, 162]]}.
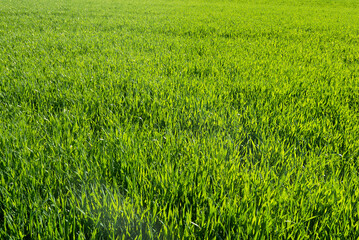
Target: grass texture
{"points": [[179, 119]]}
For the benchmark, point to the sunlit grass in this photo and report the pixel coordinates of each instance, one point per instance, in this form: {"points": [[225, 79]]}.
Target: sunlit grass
{"points": [[179, 119]]}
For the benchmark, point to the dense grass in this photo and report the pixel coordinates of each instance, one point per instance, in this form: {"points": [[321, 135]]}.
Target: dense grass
{"points": [[179, 119]]}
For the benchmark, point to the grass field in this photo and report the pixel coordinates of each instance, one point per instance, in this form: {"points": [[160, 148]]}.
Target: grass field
{"points": [[180, 119]]}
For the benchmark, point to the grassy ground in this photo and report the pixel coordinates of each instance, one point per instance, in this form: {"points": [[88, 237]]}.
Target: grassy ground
{"points": [[179, 119]]}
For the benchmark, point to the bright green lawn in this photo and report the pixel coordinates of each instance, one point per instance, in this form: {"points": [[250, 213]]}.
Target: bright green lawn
{"points": [[179, 119]]}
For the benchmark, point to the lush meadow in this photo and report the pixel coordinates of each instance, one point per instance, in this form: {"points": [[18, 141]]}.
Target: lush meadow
{"points": [[180, 119]]}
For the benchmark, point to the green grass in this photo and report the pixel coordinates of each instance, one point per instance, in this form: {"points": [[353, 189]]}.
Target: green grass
{"points": [[179, 119]]}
